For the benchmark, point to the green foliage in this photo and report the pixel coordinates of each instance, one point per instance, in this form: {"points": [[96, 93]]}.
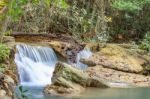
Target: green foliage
{"points": [[127, 5], [21, 94], [130, 18], [7, 33], [2, 67], [4, 52], [2, 4], [15, 9], [52, 16], [145, 43]]}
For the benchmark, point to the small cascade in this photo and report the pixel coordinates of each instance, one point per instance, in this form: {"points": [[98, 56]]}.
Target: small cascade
{"points": [[35, 64], [85, 53]]}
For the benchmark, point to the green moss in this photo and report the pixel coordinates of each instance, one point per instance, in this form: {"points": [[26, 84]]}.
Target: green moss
{"points": [[4, 52], [3, 67]]}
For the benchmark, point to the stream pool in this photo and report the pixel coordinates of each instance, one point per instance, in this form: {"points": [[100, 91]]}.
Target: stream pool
{"points": [[92, 93]]}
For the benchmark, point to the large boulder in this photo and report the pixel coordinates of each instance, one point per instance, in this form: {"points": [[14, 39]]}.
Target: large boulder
{"points": [[116, 57], [69, 80], [127, 79]]}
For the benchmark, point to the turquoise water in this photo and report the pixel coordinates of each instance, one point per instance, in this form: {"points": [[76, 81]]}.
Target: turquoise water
{"points": [[92, 93]]}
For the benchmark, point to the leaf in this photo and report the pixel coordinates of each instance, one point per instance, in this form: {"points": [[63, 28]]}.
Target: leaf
{"points": [[21, 88], [25, 91], [24, 96]]}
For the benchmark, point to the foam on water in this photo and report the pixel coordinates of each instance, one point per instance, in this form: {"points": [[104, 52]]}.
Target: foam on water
{"points": [[86, 53], [35, 64]]}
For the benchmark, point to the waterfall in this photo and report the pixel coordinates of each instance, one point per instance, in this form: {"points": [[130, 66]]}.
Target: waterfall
{"points": [[35, 64], [85, 53]]}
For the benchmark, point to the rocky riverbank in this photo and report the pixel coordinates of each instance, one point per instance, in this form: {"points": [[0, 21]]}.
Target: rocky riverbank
{"points": [[111, 65], [8, 76]]}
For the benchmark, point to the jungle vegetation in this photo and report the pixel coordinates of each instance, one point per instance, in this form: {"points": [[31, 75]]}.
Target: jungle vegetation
{"points": [[119, 21]]}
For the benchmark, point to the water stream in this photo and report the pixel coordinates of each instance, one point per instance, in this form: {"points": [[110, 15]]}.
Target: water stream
{"points": [[36, 64]]}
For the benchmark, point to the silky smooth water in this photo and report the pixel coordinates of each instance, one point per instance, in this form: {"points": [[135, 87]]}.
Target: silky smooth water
{"points": [[35, 67], [93, 93], [35, 64], [86, 53]]}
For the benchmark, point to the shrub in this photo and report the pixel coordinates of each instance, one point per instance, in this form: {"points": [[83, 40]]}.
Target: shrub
{"points": [[3, 67], [130, 18], [145, 43], [4, 52]]}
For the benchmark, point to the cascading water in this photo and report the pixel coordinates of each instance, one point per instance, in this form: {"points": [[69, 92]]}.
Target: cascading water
{"points": [[35, 64], [86, 53]]}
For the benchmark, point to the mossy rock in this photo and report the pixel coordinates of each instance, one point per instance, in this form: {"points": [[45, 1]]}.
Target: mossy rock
{"points": [[4, 52]]}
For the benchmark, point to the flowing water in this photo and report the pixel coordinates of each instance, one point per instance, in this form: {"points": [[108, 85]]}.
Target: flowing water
{"points": [[86, 53], [93, 93], [36, 64]]}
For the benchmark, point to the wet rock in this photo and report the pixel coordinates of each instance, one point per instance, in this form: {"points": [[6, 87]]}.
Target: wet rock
{"points": [[120, 78], [115, 57], [68, 50], [69, 80]]}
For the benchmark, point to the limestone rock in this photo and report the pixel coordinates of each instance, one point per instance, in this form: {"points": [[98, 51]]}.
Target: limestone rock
{"points": [[68, 50], [69, 80], [12, 75], [7, 84], [115, 57], [94, 47], [2, 93], [7, 39], [126, 79]]}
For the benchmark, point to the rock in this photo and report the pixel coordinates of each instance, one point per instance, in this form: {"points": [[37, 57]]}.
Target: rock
{"points": [[69, 80], [115, 57], [12, 75], [7, 39], [94, 47], [68, 50], [119, 78], [7, 84], [2, 93]]}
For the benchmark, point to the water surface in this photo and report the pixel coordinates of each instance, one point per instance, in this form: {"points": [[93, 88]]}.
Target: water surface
{"points": [[93, 93]]}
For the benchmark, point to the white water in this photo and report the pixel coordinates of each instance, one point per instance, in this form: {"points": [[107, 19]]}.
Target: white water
{"points": [[86, 53], [36, 64]]}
